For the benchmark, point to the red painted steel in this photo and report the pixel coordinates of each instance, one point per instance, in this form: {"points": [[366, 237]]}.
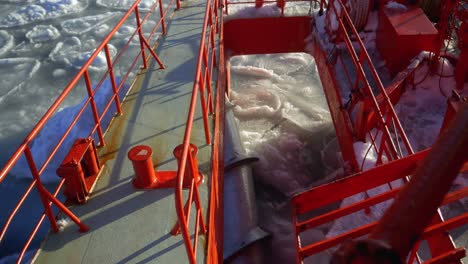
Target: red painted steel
{"points": [[373, 111], [146, 177], [248, 35], [24, 149], [383, 111], [141, 157], [403, 222], [80, 168], [202, 84], [216, 206], [406, 32]]}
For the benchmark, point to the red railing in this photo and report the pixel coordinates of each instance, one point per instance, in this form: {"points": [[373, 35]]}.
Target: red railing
{"points": [[328, 194], [373, 119], [48, 198], [216, 206], [207, 60], [372, 111]]}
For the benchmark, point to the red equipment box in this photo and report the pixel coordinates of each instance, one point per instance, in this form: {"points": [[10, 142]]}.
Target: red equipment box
{"points": [[402, 34]]}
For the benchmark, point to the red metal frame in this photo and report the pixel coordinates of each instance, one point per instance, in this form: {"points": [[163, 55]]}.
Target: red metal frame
{"points": [[376, 112], [370, 112], [207, 59], [334, 192], [24, 149], [216, 206]]}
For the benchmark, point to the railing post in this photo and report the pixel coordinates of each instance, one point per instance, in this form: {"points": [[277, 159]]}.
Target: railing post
{"points": [[112, 78], [199, 207], [41, 189], [201, 86], [177, 4], [144, 42], [140, 35], [161, 12], [94, 108]]}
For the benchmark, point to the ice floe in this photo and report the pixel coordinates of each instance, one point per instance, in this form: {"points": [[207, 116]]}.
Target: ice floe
{"points": [[124, 4], [74, 53], [14, 72], [43, 33], [6, 42], [82, 25], [42, 10]]}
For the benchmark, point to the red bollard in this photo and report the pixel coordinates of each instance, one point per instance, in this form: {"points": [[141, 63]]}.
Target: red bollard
{"points": [[143, 166], [80, 168], [191, 158]]}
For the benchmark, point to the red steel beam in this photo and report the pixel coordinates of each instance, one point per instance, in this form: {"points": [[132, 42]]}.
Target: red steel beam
{"points": [[360, 182], [366, 229]]}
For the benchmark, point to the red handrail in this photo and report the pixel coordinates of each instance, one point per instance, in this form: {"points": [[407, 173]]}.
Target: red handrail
{"points": [[46, 197], [216, 206], [382, 142], [207, 59], [347, 187]]}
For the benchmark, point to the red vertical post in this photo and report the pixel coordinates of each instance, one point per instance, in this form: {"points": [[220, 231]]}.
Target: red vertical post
{"points": [[180, 209], [41, 189], [112, 78], [140, 35], [161, 12], [203, 104], [194, 168], [94, 108], [177, 4]]}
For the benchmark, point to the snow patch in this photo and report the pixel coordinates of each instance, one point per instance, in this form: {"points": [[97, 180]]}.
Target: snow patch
{"points": [[396, 6], [248, 11], [421, 109]]}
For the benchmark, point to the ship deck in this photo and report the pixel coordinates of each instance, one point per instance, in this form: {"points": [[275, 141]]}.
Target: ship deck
{"points": [[130, 225]]}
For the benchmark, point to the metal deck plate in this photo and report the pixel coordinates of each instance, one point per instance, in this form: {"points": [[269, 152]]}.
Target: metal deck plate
{"points": [[129, 225]]}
